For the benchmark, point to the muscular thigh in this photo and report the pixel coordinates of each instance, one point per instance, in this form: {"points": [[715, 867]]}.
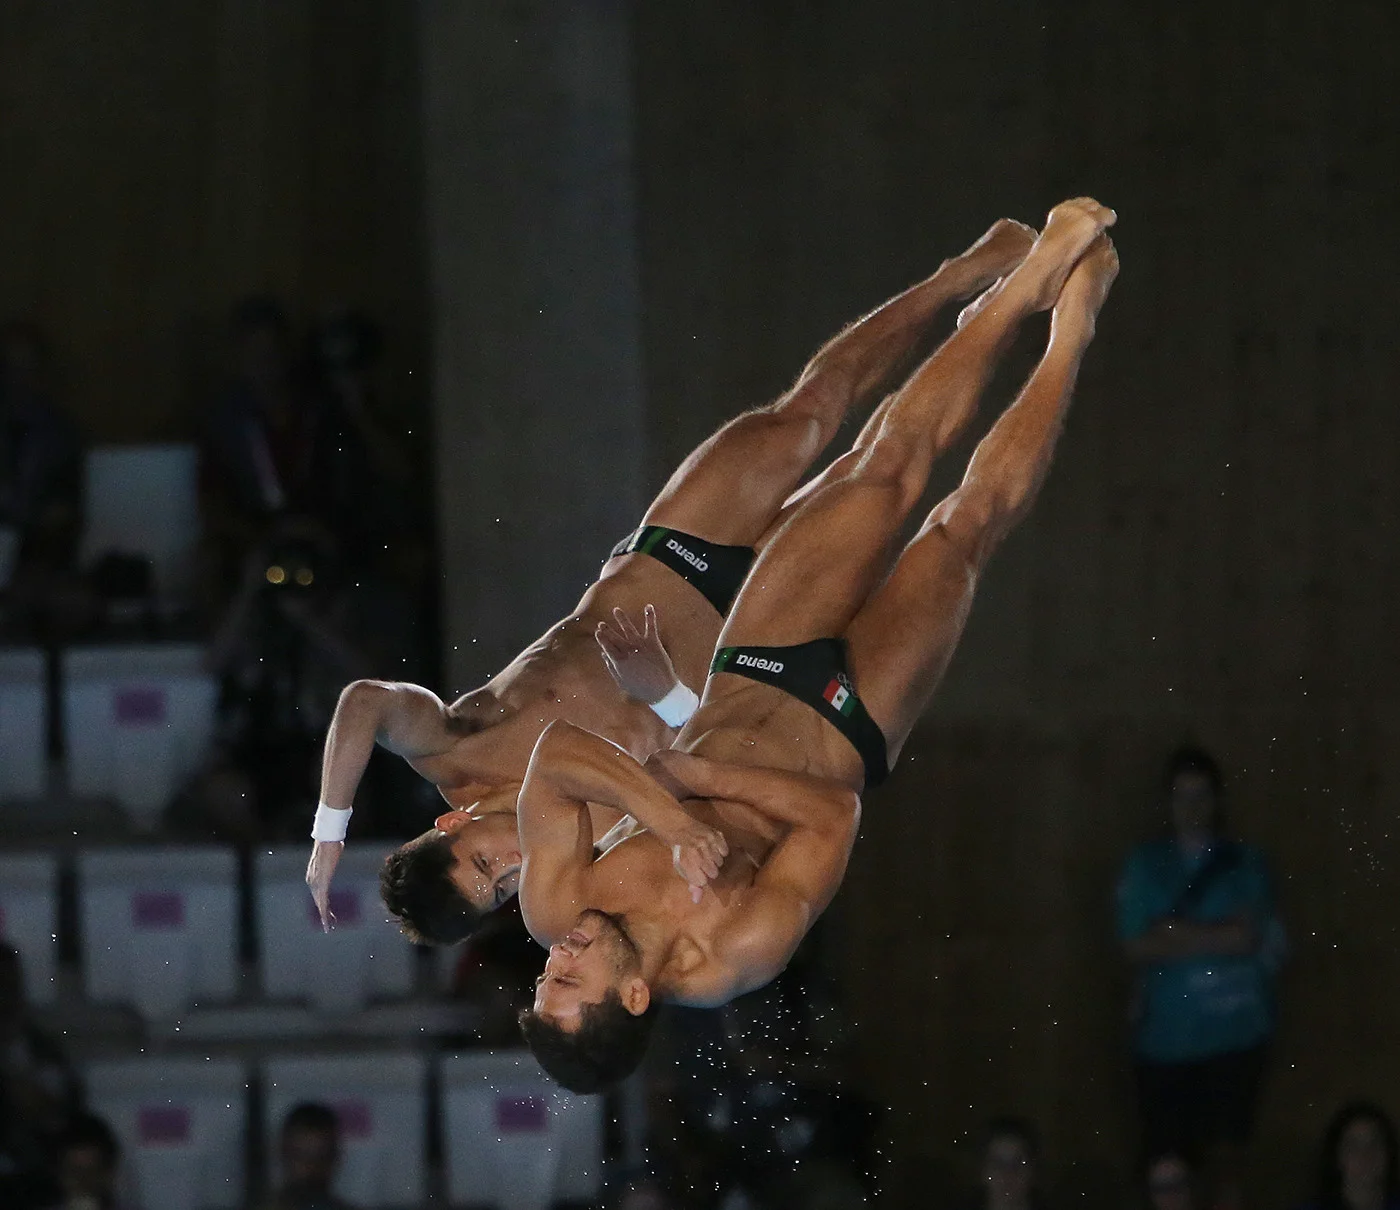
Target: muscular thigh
{"points": [[815, 574], [730, 489], [900, 643]]}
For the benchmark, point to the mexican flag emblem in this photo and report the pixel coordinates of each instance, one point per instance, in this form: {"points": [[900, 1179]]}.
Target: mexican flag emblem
{"points": [[839, 696]]}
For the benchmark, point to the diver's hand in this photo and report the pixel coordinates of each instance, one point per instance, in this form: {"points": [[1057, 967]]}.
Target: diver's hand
{"points": [[325, 856], [697, 851], [636, 658]]}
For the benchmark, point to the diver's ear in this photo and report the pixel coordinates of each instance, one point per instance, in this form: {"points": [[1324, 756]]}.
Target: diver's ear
{"points": [[636, 995], [451, 821]]}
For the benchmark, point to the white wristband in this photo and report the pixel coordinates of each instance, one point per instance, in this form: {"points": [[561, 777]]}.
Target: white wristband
{"points": [[677, 706], [331, 824]]}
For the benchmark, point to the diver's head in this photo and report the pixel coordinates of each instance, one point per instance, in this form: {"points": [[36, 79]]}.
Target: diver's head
{"points": [[441, 883], [593, 1010]]}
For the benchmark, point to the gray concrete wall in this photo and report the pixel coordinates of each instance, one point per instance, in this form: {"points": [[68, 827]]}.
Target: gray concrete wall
{"points": [[541, 423]]}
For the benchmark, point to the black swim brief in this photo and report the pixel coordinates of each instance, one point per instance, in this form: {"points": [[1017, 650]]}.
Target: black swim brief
{"points": [[717, 571], [815, 673]]}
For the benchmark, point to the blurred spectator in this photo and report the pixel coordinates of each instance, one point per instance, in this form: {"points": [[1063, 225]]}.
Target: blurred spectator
{"points": [[1359, 1167], [38, 1092], [309, 1155], [379, 492], [1168, 1183], [1010, 1167], [40, 480], [260, 438], [1196, 917], [304, 441], [300, 626], [89, 1159]]}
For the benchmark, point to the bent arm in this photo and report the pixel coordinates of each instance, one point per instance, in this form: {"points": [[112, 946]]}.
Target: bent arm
{"points": [[793, 887], [409, 720], [568, 769], [796, 799], [588, 768]]}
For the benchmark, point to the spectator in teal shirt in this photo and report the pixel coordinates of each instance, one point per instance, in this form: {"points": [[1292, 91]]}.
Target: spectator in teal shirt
{"points": [[1196, 918]]}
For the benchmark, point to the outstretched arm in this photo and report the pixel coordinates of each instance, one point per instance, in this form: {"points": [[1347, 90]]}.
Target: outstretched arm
{"points": [[407, 719]]}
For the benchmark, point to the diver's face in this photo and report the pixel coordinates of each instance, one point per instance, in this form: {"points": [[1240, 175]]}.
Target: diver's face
{"points": [[487, 849], [592, 960]]}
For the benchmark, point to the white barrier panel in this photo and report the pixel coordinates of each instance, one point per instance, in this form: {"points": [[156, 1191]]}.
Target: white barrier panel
{"points": [[160, 927], [513, 1138], [24, 723], [143, 499], [362, 957], [181, 1124], [137, 721], [29, 920], [380, 1101]]}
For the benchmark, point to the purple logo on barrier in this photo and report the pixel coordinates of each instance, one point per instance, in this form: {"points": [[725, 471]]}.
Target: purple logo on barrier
{"points": [[345, 907], [163, 1124], [514, 1114], [158, 910], [140, 707], [355, 1118]]}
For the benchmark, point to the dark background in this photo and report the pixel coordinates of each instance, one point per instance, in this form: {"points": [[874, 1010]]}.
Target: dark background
{"points": [[1213, 556]]}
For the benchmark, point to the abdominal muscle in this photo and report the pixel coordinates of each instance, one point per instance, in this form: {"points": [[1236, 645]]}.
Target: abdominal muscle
{"points": [[561, 675]]}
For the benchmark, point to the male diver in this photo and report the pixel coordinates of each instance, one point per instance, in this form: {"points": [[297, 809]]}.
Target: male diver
{"points": [[828, 655], [687, 559]]}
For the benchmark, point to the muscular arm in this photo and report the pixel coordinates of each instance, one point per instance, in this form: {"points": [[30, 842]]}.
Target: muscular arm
{"points": [[569, 769], [794, 886], [797, 799], [407, 719]]}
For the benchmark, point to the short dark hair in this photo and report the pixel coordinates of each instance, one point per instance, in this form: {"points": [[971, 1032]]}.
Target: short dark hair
{"points": [[311, 1115], [416, 887], [1191, 759], [88, 1130], [605, 1049], [1329, 1184]]}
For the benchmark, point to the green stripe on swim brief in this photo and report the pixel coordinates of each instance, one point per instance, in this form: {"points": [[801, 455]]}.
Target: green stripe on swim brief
{"points": [[652, 540], [722, 658]]}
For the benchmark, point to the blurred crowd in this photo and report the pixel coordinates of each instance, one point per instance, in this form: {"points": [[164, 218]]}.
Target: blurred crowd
{"points": [[57, 1155], [314, 557], [315, 569]]}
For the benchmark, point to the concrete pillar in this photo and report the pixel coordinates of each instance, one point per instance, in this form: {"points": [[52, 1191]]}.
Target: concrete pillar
{"points": [[537, 366]]}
